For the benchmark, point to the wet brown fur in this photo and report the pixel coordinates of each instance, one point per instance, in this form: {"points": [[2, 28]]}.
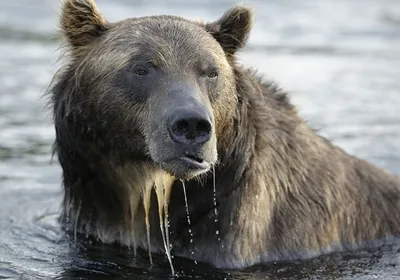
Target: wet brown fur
{"points": [[283, 192]]}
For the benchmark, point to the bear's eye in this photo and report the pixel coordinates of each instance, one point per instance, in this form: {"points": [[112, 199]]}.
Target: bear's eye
{"points": [[140, 72], [212, 74]]}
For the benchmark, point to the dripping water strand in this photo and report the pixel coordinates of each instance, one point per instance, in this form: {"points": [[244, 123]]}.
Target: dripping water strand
{"points": [[132, 229], [148, 240], [164, 240], [88, 228], [188, 216], [134, 243], [215, 204], [166, 226], [78, 212], [161, 202], [215, 197], [167, 251], [68, 216], [146, 206]]}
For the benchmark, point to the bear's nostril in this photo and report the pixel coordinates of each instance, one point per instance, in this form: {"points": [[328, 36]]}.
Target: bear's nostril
{"points": [[203, 129], [180, 128]]}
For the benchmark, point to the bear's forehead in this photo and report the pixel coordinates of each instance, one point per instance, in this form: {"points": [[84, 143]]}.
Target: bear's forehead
{"points": [[165, 39], [160, 29]]}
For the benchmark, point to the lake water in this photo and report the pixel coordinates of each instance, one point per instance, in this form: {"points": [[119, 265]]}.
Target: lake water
{"points": [[339, 59]]}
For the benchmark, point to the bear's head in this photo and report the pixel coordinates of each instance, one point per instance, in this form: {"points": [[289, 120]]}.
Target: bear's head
{"points": [[160, 89]]}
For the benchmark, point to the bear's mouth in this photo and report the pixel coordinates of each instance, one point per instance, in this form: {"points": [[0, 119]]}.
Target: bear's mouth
{"points": [[195, 162], [186, 167]]}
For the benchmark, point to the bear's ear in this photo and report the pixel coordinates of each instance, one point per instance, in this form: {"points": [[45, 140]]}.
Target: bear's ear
{"points": [[232, 29], [81, 22]]}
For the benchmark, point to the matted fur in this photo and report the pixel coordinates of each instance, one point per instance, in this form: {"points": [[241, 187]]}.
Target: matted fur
{"points": [[282, 191]]}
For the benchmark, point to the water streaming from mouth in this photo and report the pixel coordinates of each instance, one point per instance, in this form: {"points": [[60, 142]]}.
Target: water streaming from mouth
{"points": [[163, 190], [188, 216]]}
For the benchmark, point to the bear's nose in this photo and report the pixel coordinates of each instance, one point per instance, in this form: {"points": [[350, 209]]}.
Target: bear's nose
{"points": [[189, 126]]}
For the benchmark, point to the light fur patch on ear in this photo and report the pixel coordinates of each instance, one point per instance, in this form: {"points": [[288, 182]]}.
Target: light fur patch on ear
{"points": [[232, 29], [81, 22]]}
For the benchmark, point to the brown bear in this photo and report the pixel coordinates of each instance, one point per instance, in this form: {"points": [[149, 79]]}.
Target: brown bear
{"points": [[152, 113]]}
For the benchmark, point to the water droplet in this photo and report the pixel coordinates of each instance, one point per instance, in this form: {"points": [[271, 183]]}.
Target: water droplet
{"points": [[217, 232]]}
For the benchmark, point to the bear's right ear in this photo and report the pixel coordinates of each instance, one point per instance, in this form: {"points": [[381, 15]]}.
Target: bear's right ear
{"points": [[232, 29], [81, 22]]}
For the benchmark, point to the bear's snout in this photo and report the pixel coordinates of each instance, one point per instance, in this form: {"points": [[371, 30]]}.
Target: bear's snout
{"points": [[182, 136], [189, 126]]}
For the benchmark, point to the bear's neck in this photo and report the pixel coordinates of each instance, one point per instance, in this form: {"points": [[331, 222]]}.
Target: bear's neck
{"points": [[266, 138]]}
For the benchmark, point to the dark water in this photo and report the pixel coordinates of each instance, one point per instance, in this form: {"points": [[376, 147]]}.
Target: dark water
{"points": [[339, 59]]}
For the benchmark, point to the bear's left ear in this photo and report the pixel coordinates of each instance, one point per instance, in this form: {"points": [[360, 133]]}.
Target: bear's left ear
{"points": [[232, 29]]}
